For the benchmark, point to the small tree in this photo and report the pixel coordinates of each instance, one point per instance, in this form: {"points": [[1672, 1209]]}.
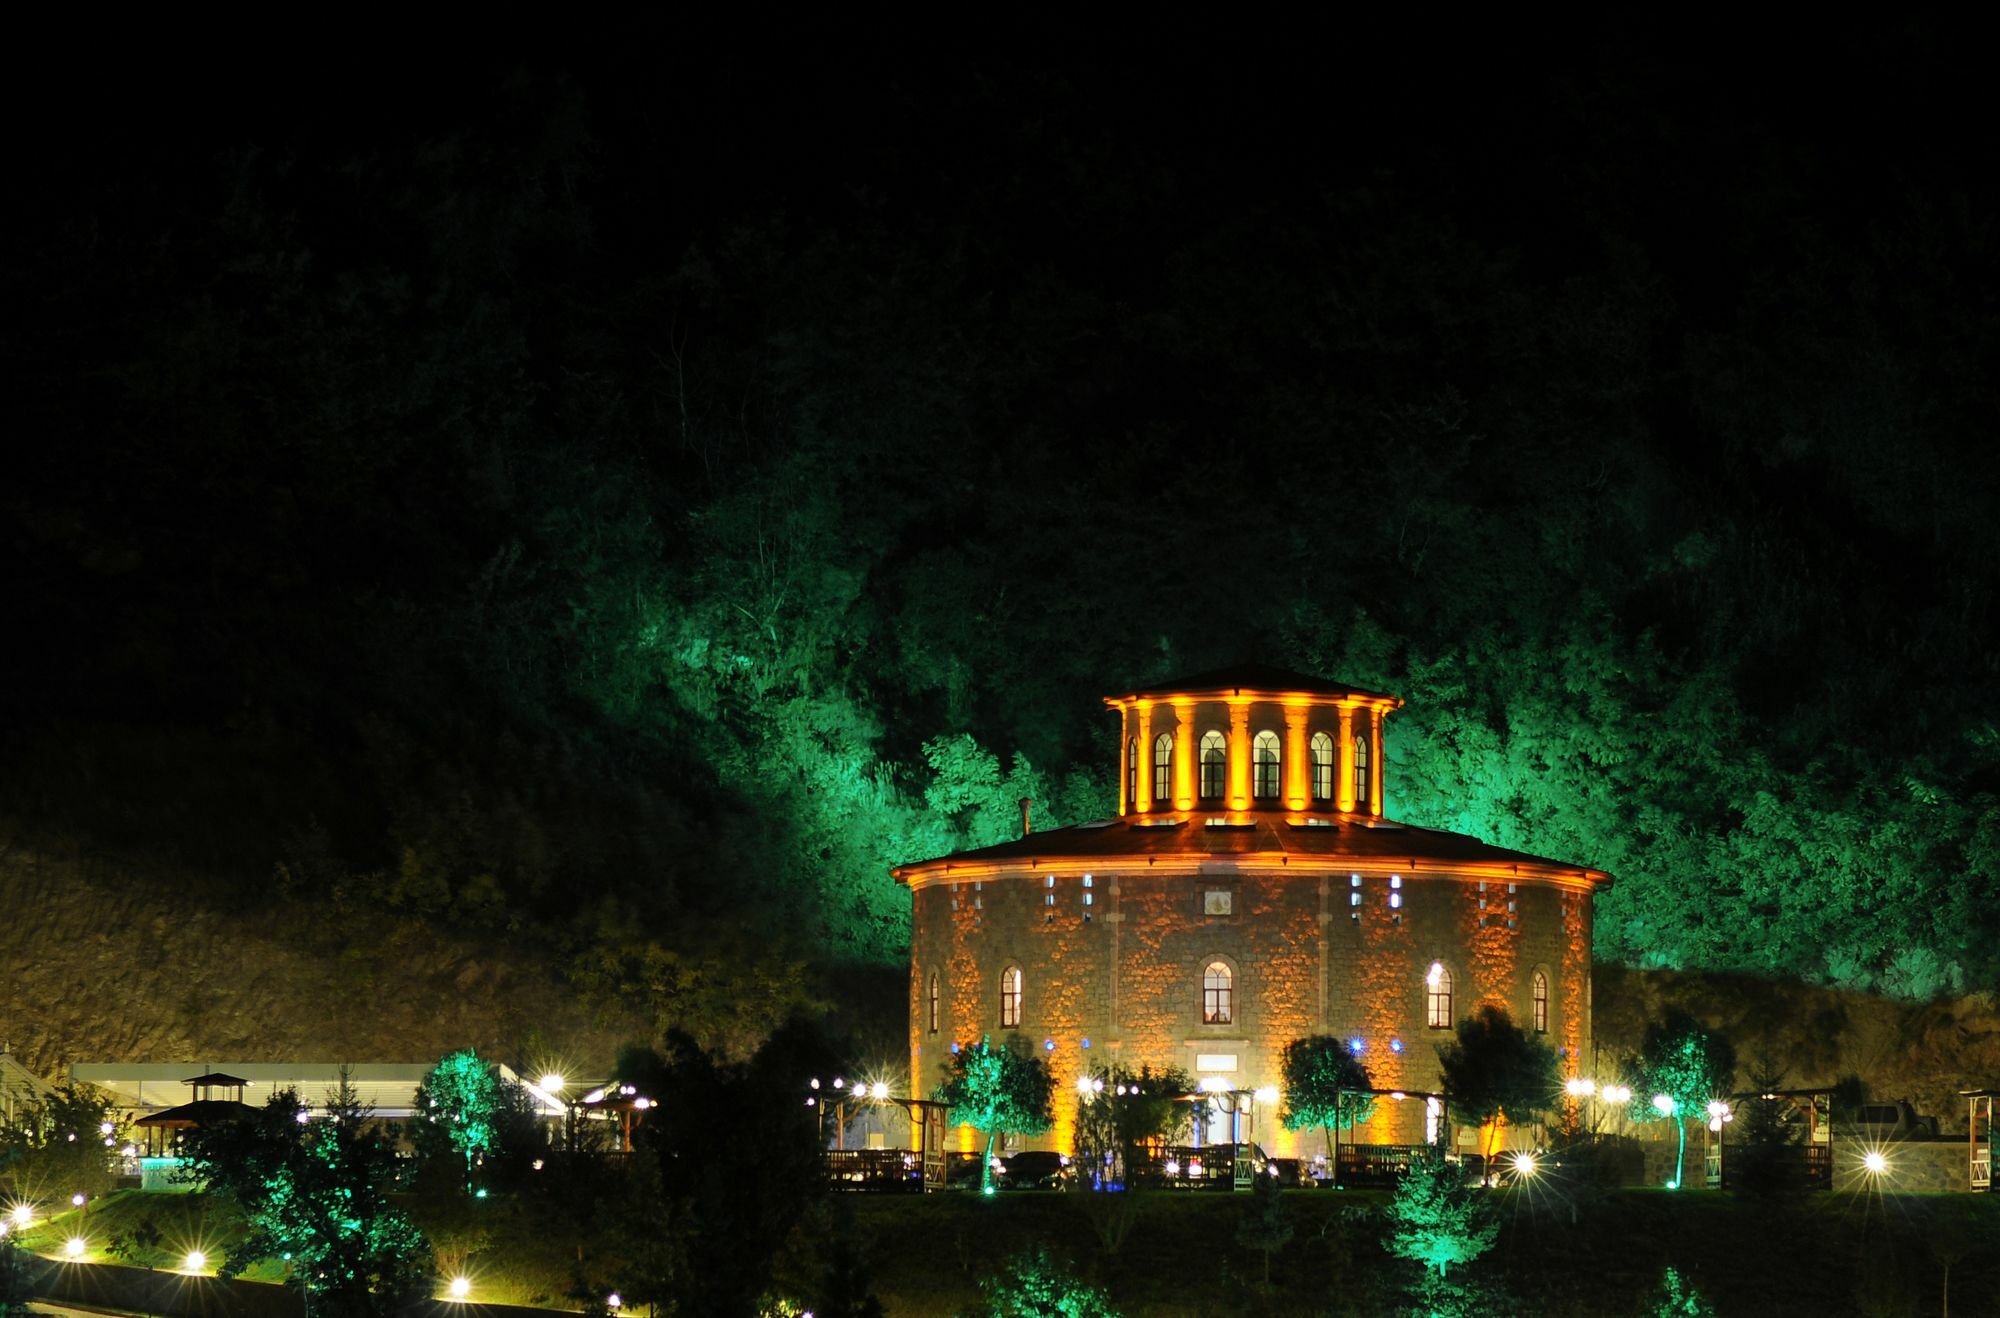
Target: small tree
{"points": [[15, 1293], [60, 1145], [465, 1110], [1764, 1148], [1035, 1285], [999, 1091], [1326, 1087], [1675, 1298], [1264, 1226], [1680, 1068], [1125, 1111], [316, 1193], [1435, 1218], [1494, 1070]]}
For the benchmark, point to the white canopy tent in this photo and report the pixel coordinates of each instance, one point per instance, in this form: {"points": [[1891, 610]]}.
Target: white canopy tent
{"points": [[388, 1088]]}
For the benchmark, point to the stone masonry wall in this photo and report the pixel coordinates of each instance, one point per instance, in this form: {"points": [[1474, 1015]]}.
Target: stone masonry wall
{"points": [[1118, 981]]}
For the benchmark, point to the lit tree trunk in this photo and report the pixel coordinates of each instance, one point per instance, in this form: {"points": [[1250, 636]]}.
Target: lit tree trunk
{"points": [[986, 1165], [1680, 1155]]}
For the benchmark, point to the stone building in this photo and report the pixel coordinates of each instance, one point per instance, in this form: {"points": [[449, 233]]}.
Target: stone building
{"points": [[1250, 891]]}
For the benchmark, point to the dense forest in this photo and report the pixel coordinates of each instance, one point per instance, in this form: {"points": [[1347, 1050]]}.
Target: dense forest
{"points": [[620, 499]]}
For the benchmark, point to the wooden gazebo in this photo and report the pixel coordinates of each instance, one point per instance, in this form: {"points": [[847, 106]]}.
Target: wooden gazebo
{"points": [[1979, 1136], [213, 1098]]}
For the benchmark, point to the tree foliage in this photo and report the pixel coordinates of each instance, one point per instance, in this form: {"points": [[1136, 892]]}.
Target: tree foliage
{"points": [[1265, 1226], [1436, 1218], [1034, 1284], [1323, 1085], [726, 1166], [1493, 1069], [1681, 1068], [63, 1143], [998, 1090], [318, 1195], [1125, 1111], [466, 1109], [1763, 1158]]}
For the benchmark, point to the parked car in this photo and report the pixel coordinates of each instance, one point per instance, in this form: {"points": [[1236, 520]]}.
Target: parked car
{"points": [[1034, 1170], [1894, 1121]]}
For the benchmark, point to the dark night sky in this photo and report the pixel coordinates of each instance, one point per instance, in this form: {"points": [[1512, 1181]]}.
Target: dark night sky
{"points": [[493, 452]]}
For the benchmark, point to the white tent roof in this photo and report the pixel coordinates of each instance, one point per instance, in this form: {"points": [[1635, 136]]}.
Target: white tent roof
{"points": [[387, 1087]]}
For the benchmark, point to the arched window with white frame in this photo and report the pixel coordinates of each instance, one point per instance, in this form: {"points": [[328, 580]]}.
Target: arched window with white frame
{"points": [[1218, 994], [1538, 1004], [1437, 997], [1360, 771], [1266, 763], [1214, 764], [1163, 768], [1132, 774], [1322, 766], [1010, 997]]}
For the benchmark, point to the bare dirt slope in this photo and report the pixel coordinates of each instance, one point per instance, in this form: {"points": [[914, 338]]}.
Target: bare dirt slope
{"points": [[102, 962], [1925, 1052]]}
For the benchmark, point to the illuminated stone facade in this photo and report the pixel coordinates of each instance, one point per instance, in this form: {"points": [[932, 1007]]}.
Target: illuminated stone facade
{"points": [[1245, 896]]}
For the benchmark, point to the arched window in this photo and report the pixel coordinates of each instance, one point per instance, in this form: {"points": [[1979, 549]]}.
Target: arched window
{"points": [[1437, 997], [1218, 994], [1132, 774], [1010, 997], [1322, 758], [1540, 1003], [1361, 771], [934, 1002], [1264, 763], [1214, 764], [1163, 768]]}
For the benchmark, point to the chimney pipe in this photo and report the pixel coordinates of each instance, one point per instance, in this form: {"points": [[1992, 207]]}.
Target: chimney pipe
{"points": [[1026, 827]]}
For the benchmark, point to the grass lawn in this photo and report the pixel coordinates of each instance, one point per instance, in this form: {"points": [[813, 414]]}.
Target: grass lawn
{"points": [[1177, 1253]]}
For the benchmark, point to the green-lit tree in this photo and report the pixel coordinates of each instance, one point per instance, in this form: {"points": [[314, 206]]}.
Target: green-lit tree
{"points": [[317, 1194], [1675, 1297], [465, 1109], [1435, 1218], [1325, 1087], [1125, 1111], [1494, 1069], [1264, 1226], [1680, 1069], [1034, 1284], [1001, 1091], [62, 1144]]}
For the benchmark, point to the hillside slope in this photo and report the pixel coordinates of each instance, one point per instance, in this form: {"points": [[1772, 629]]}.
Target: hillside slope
{"points": [[111, 961]]}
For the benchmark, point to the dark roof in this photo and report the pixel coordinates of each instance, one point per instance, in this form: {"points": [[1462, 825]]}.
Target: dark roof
{"points": [[1251, 677], [1269, 834], [216, 1078], [205, 1112]]}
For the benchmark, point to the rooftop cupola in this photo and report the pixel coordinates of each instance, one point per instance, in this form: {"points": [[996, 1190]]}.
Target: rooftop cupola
{"points": [[1251, 738]]}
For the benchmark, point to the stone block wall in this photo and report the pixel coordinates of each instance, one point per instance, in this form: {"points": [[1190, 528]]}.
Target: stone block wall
{"points": [[1116, 980]]}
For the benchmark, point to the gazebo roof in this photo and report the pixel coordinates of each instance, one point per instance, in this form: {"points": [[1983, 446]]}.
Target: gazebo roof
{"points": [[202, 1112], [216, 1078]]}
